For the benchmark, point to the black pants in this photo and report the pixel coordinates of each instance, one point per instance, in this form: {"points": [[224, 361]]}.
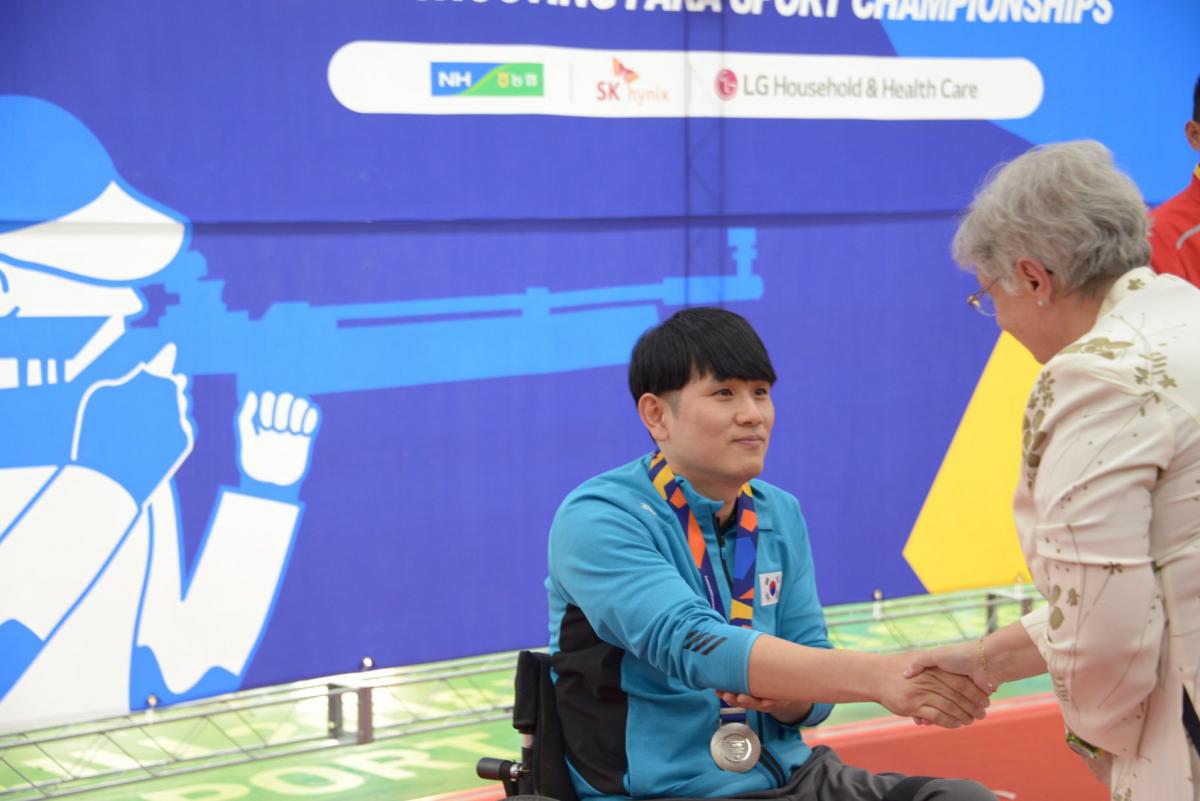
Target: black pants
{"points": [[824, 777]]}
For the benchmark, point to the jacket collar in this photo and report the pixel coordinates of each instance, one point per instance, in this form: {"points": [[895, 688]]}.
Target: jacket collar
{"points": [[705, 508], [1124, 287]]}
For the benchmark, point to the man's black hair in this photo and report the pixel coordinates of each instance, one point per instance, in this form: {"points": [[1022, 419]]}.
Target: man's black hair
{"points": [[1196, 101], [701, 341]]}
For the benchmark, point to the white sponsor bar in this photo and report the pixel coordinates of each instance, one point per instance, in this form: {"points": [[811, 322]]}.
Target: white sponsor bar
{"points": [[409, 78]]}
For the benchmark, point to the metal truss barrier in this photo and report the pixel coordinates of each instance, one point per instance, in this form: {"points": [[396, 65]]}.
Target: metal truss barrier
{"points": [[373, 705]]}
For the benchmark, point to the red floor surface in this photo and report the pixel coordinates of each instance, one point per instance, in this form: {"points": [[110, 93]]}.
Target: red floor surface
{"points": [[1018, 752]]}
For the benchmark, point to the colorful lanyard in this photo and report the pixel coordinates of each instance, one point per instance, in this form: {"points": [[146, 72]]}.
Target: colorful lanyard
{"points": [[744, 553]]}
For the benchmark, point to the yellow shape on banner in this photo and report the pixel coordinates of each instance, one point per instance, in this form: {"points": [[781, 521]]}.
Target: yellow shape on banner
{"points": [[965, 536]]}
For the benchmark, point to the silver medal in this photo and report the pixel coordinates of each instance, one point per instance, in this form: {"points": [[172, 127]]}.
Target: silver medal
{"points": [[735, 747]]}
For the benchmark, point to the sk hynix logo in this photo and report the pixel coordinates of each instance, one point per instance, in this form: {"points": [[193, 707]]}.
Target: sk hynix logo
{"points": [[622, 89], [726, 84], [481, 79]]}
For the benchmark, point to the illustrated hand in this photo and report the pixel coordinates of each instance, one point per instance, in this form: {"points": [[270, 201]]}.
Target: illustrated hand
{"points": [[945, 699], [135, 429], [784, 711], [275, 434]]}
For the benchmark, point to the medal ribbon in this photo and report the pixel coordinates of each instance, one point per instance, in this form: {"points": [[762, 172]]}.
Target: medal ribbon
{"points": [[745, 552]]}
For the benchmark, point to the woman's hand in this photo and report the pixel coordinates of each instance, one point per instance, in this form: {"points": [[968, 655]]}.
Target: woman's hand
{"points": [[965, 658], [932, 694]]}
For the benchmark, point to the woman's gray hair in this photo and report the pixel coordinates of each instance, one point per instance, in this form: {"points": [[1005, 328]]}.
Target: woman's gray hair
{"points": [[1065, 205]]}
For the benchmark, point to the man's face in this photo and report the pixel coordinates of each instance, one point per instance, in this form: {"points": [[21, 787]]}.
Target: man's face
{"points": [[718, 432]]}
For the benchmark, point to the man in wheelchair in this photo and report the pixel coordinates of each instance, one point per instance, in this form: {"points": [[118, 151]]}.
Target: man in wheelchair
{"points": [[688, 645]]}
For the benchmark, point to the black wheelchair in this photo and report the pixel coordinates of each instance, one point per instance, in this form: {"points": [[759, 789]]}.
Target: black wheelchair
{"points": [[542, 769], [541, 774]]}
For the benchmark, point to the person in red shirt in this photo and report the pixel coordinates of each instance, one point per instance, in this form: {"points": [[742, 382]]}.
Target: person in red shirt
{"points": [[1175, 233]]}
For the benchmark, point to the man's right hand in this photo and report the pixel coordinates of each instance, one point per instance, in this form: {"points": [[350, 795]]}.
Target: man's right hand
{"points": [[946, 699]]}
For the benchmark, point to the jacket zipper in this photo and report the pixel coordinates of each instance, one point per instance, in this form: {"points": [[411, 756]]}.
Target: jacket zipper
{"points": [[721, 556], [767, 760]]}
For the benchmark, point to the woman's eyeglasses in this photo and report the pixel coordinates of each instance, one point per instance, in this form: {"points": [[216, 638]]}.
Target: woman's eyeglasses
{"points": [[982, 300]]}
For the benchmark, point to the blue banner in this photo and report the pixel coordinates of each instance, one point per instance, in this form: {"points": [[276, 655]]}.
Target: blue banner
{"points": [[311, 316]]}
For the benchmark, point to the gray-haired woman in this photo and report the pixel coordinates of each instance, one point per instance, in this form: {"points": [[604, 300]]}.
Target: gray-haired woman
{"points": [[1108, 502]]}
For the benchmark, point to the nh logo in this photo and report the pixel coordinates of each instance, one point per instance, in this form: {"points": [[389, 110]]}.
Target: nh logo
{"points": [[453, 78]]}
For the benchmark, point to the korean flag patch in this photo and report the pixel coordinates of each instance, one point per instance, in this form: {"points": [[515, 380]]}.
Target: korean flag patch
{"points": [[768, 588]]}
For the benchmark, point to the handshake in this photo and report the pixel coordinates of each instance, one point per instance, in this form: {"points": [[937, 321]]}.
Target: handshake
{"points": [[954, 684], [947, 686]]}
